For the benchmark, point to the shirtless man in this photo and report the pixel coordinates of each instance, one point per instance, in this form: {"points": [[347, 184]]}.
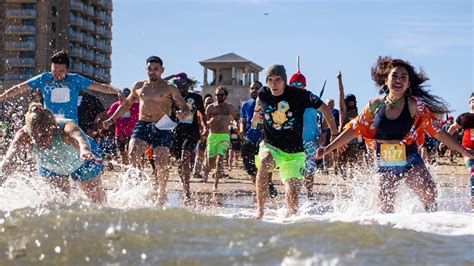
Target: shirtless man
{"points": [[219, 115], [156, 97]]}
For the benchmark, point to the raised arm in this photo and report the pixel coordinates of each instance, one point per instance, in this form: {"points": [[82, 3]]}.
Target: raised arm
{"points": [[104, 88], [342, 103], [14, 91], [19, 145]]}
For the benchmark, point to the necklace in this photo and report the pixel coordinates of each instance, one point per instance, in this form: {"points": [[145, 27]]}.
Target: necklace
{"points": [[391, 103]]}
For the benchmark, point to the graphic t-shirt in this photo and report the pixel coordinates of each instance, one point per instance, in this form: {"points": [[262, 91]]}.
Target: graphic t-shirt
{"points": [[246, 112], [124, 125], [283, 117], [466, 121], [60, 96], [195, 104]]}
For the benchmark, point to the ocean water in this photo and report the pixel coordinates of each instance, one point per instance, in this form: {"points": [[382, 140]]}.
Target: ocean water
{"points": [[41, 226]]}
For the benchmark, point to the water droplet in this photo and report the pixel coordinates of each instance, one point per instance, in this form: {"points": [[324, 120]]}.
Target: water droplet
{"points": [[38, 243], [87, 259], [143, 256], [57, 249], [124, 251], [41, 257]]}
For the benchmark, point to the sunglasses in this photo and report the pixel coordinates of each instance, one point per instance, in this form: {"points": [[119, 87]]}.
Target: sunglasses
{"points": [[181, 84], [296, 84]]}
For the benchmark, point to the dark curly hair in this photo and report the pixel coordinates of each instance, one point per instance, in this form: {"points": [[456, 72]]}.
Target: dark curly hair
{"points": [[384, 65]]}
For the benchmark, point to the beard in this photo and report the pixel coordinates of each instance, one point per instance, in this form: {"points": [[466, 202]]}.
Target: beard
{"points": [[153, 77]]}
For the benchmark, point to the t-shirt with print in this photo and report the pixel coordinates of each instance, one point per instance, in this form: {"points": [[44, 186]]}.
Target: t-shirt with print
{"points": [[246, 112], [195, 104], [60, 96], [466, 121], [283, 117], [124, 125]]}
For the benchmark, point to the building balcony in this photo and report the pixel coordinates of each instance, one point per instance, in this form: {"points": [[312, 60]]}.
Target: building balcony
{"points": [[21, 30], [89, 40], [77, 67], [103, 3], [108, 62], [20, 46], [14, 77], [75, 52], [89, 25], [89, 10], [108, 48], [88, 56], [20, 62], [88, 70], [76, 21], [76, 5], [99, 45], [20, 13], [99, 60], [75, 36], [100, 15], [107, 34]]}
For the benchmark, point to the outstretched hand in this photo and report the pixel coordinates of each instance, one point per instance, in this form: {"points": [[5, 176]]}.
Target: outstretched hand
{"points": [[88, 156], [339, 75]]}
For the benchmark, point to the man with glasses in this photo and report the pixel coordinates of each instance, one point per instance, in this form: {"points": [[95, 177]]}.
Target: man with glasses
{"points": [[219, 115], [187, 134], [124, 124], [282, 148], [153, 128]]}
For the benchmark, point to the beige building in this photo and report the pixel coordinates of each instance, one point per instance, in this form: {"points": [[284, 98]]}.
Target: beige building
{"points": [[33, 30], [233, 72]]}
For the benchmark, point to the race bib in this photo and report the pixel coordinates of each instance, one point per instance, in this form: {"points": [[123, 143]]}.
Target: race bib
{"points": [[60, 95], [393, 155]]}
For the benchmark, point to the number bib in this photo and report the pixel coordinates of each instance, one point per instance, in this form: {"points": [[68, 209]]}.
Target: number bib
{"points": [[393, 155]]}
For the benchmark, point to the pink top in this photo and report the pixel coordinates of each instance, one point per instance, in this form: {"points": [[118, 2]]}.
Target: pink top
{"points": [[124, 125]]}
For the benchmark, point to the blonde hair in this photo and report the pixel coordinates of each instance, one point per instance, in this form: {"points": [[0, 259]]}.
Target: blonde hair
{"points": [[39, 117]]}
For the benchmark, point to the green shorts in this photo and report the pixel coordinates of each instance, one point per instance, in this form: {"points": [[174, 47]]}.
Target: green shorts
{"points": [[290, 165], [217, 144]]}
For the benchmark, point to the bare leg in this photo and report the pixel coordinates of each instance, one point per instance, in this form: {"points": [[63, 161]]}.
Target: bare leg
{"points": [[292, 190], [94, 190], [61, 182], [266, 163], [186, 162], [308, 182], [162, 158], [387, 191], [136, 149], [419, 179]]}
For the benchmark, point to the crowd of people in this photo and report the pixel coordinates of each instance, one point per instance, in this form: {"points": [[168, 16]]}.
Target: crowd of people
{"points": [[283, 128]]}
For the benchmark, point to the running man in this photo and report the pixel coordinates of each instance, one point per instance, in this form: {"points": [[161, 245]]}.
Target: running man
{"points": [[283, 107], [219, 115], [156, 97], [59, 88], [187, 133]]}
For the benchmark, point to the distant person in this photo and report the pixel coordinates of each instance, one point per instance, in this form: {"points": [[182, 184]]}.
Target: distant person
{"points": [[156, 97], [283, 107], [124, 125], [59, 88], [393, 126], [465, 122], [200, 162], [353, 155], [311, 135], [235, 145], [61, 150], [219, 116]]}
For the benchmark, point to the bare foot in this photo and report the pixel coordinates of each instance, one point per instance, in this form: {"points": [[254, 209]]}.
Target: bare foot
{"points": [[259, 215]]}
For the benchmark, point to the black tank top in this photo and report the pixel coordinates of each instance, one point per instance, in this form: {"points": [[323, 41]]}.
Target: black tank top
{"points": [[396, 129]]}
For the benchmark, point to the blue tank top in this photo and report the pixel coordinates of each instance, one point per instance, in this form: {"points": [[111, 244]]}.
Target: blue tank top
{"points": [[396, 129], [60, 158]]}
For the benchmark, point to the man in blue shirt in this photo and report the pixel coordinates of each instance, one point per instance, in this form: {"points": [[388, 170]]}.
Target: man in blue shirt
{"points": [[251, 137], [60, 89]]}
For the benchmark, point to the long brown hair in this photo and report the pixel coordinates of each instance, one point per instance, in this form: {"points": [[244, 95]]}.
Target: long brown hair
{"points": [[384, 65], [39, 117]]}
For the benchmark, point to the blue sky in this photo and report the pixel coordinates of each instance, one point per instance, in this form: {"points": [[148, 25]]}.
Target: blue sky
{"points": [[327, 35]]}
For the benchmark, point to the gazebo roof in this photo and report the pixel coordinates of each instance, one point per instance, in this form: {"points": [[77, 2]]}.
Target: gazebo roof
{"points": [[230, 58]]}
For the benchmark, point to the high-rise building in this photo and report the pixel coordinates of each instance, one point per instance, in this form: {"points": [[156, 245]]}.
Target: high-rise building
{"points": [[33, 30]]}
